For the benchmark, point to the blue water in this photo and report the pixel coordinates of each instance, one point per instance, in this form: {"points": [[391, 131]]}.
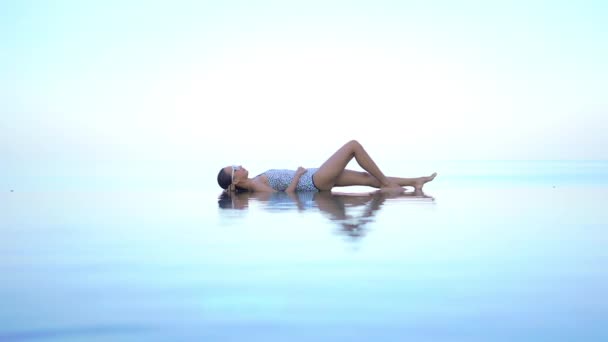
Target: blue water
{"points": [[492, 252]]}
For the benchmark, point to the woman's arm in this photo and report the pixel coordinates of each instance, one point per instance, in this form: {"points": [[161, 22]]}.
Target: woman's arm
{"points": [[261, 187], [296, 178]]}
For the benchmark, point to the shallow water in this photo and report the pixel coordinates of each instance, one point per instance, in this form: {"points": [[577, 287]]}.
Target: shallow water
{"points": [[495, 256]]}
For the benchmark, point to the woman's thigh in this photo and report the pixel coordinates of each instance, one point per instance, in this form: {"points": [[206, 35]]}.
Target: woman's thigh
{"points": [[326, 177]]}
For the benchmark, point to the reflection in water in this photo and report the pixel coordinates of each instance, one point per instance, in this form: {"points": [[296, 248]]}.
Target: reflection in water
{"points": [[351, 211]]}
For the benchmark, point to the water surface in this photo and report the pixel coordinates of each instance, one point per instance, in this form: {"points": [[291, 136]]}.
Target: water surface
{"points": [[494, 256]]}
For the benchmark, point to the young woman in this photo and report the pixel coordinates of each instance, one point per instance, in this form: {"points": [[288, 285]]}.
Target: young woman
{"points": [[332, 173]]}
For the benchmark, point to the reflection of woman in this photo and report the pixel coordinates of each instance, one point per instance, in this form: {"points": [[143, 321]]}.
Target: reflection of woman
{"points": [[333, 204], [273, 200], [332, 173]]}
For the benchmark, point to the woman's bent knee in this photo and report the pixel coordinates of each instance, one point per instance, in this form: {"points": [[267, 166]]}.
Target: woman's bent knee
{"points": [[354, 143]]}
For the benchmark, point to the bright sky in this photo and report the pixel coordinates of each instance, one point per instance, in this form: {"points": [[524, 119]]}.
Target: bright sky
{"points": [[243, 81]]}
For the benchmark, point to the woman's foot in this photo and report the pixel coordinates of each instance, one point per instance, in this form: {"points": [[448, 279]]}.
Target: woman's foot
{"points": [[392, 190], [423, 180], [392, 187]]}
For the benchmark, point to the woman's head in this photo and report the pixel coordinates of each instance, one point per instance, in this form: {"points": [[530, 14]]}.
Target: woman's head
{"points": [[230, 176]]}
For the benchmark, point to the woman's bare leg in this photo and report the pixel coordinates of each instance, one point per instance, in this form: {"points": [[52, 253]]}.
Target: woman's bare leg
{"points": [[327, 175], [350, 177]]}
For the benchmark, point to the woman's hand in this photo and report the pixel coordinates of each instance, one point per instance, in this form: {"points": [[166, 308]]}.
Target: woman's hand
{"points": [[296, 178]]}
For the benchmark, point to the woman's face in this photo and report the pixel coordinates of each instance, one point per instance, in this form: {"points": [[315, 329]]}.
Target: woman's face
{"points": [[237, 172]]}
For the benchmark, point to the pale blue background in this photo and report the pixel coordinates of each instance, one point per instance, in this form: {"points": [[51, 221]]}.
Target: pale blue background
{"points": [[116, 116], [135, 86]]}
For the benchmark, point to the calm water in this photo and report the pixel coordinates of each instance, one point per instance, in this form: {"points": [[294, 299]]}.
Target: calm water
{"points": [[513, 251]]}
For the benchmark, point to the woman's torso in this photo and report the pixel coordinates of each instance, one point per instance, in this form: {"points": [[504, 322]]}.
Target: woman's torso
{"points": [[280, 179]]}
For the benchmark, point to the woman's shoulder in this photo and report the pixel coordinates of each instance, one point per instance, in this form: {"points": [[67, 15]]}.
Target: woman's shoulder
{"points": [[260, 183], [261, 178]]}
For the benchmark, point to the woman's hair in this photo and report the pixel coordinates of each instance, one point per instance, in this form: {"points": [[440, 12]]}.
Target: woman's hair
{"points": [[224, 179]]}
